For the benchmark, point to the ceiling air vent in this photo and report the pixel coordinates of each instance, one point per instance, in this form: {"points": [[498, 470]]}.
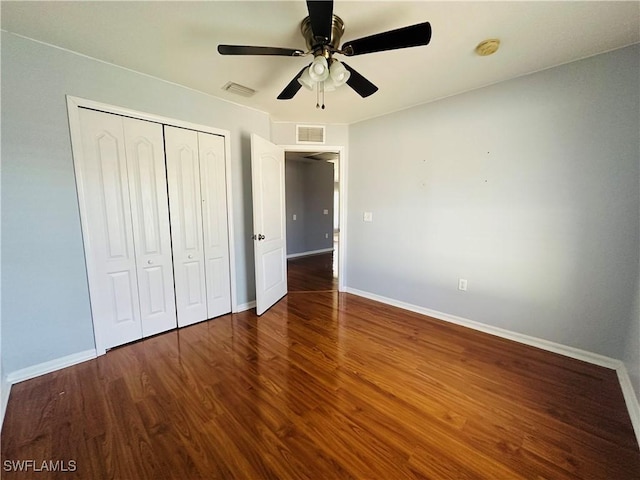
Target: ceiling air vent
{"points": [[238, 89], [310, 134]]}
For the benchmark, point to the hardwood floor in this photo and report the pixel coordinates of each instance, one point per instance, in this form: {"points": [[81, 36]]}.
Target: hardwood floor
{"points": [[324, 386], [314, 273]]}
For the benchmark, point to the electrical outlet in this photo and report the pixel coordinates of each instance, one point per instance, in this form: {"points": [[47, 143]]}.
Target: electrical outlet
{"points": [[368, 216], [295, 217], [462, 284], [325, 212], [326, 235]]}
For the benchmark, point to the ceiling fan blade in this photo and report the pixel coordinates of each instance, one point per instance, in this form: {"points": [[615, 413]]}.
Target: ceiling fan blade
{"points": [[290, 90], [321, 16], [248, 50], [412, 36], [361, 85]]}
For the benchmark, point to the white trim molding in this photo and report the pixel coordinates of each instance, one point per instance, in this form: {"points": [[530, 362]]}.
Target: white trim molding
{"points": [[37, 370], [50, 366], [4, 401], [567, 351], [78, 102], [245, 306], [631, 400]]}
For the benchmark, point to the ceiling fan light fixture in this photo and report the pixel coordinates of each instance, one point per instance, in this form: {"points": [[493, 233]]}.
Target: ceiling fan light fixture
{"points": [[329, 85], [306, 81], [319, 69], [339, 75], [323, 31]]}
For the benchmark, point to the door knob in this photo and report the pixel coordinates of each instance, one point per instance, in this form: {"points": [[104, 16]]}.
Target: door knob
{"points": [[261, 237], [189, 256], [150, 262]]}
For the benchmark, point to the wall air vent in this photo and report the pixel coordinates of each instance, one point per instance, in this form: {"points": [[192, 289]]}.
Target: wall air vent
{"points": [[309, 134], [238, 89]]}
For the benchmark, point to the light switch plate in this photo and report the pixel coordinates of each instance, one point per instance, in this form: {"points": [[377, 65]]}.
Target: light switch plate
{"points": [[368, 216]]}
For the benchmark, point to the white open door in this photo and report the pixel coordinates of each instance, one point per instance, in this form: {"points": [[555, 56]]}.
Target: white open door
{"points": [[269, 235]]}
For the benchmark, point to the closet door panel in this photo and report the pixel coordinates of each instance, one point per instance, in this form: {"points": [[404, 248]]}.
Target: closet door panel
{"points": [[183, 179], [150, 217], [107, 228], [121, 301], [215, 225]]}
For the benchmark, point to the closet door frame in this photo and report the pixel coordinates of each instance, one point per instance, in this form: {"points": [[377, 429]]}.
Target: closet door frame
{"points": [[74, 104]]}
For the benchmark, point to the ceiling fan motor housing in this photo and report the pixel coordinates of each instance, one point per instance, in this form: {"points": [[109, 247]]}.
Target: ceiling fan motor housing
{"points": [[319, 44]]}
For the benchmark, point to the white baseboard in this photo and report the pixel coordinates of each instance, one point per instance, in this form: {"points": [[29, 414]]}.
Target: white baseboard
{"points": [[630, 397], [245, 306], [50, 366], [565, 350], [37, 370], [309, 253], [4, 400]]}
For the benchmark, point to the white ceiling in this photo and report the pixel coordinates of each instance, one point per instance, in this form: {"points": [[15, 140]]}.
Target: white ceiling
{"points": [[176, 41]]}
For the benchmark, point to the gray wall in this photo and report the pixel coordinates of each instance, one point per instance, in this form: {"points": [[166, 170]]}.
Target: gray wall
{"points": [[295, 205], [319, 189], [309, 189], [528, 188], [45, 300]]}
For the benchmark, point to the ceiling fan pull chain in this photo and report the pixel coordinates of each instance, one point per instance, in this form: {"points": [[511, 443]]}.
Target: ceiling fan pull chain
{"points": [[322, 87], [318, 95]]}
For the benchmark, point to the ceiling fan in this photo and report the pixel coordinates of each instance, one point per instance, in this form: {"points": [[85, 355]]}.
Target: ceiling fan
{"points": [[322, 31]]}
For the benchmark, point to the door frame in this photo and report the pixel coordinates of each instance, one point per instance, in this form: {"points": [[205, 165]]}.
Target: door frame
{"points": [[342, 207], [73, 111]]}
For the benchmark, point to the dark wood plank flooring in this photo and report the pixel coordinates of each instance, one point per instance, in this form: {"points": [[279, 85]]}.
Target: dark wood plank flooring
{"points": [[324, 386], [312, 274]]}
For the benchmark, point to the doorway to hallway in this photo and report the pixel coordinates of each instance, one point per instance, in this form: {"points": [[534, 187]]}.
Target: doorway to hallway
{"points": [[313, 219]]}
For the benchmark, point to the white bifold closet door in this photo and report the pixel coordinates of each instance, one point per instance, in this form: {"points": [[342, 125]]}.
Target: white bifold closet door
{"points": [[214, 223], [198, 209], [124, 209]]}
